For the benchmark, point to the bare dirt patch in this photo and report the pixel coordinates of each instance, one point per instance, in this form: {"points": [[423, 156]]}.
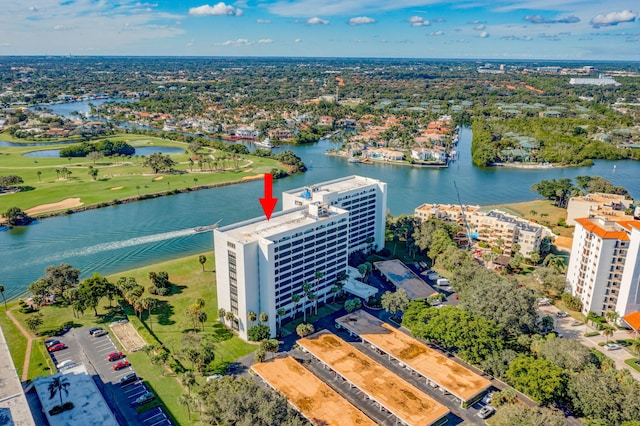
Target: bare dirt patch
{"points": [[67, 203], [128, 337]]}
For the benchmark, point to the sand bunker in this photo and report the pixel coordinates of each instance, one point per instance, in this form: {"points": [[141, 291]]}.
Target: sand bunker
{"points": [[158, 178], [67, 203], [117, 187]]}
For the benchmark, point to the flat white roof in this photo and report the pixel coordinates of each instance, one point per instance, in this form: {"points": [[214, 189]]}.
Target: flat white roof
{"points": [[257, 228], [333, 186], [90, 408]]}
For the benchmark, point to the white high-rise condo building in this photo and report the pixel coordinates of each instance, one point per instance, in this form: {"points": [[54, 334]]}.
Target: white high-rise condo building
{"points": [[261, 266], [364, 198], [604, 268]]}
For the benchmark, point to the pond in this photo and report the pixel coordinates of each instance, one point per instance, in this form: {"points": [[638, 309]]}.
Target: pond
{"points": [[141, 151]]}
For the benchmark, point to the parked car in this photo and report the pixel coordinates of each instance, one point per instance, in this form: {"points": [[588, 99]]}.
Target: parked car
{"points": [[49, 343], [145, 398], [214, 377], [114, 356], [100, 333], [120, 365], [543, 301], [486, 411], [562, 314], [92, 330], [65, 364], [576, 323], [129, 378], [487, 398], [612, 346], [57, 347]]}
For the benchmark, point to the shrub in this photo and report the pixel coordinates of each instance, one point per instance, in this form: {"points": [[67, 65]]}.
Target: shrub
{"points": [[572, 302], [591, 334], [258, 333]]}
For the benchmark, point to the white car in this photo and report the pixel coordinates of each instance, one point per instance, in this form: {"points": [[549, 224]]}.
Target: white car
{"points": [[65, 364], [487, 398], [486, 411], [612, 346]]}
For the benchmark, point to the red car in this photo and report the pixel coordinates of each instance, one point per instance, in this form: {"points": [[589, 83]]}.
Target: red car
{"points": [[121, 364], [57, 347], [115, 356]]}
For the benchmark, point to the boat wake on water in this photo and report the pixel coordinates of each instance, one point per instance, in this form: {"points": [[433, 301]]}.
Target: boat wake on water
{"points": [[115, 245]]}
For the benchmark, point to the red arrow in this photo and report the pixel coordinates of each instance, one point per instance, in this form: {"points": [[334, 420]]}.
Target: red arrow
{"points": [[268, 202]]}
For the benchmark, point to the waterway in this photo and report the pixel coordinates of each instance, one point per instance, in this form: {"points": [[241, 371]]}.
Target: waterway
{"points": [[119, 238]]}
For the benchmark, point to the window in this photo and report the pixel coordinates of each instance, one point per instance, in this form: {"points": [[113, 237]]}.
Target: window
{"points": [[231, 245]]}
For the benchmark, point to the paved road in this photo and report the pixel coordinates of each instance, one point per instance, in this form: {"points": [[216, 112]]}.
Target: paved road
{"points": [[567, 330]]}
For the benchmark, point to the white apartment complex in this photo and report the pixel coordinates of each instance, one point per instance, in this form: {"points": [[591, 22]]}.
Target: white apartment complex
{"points": [[364, 198], [608, 206], [261, 265], [492, 227], [604, 268]]}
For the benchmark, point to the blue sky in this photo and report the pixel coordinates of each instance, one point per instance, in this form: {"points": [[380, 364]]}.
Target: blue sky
{"points": [[509, 29]]}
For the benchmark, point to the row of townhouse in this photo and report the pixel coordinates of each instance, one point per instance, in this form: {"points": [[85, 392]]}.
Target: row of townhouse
{"points": [[494, 227]]}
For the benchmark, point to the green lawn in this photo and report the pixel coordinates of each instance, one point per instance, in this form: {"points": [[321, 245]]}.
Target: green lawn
{"points": [[631, 362], [117, 179], [15, 339], [168, 323], [544, 212]]}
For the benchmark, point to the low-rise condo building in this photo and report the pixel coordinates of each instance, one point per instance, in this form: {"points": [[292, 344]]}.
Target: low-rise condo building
{"points": [[494, 227], [604, 268]]}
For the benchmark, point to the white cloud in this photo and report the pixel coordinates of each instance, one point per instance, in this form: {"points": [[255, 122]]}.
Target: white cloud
{"points": [[59, 28], [190, 44], [613, 18], [237, 42], [33, 9], [298, 40], [436, 33], [480, 27], [418, 21], [218, 9], [317, 21], [484, 34], [361, 20], [439, 20], [263, 21], [265, 41]]}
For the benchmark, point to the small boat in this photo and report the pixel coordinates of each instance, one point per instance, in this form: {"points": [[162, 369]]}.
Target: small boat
{"points": [[205, 228], [353, 160], [265, 143]]}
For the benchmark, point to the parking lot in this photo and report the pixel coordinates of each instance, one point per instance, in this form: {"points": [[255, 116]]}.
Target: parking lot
{"points": [[92, 351]]}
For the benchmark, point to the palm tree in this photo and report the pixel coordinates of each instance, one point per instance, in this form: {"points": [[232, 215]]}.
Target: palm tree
{"points": [[39, 174], [264, 317], [295, 299], [608, 331], [149, 303], [58, 384], [306, 288], [188, 379], [334, 290], [313, 298], [3, 298], [230, 317], [222, 314], [635, 346], [252, 317], [187, 401], [281, 312], [202, 259], [611, 317]]}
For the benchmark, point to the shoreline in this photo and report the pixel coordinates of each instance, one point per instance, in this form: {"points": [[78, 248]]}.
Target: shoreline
{"points": [[83, 208], [370, 161]]}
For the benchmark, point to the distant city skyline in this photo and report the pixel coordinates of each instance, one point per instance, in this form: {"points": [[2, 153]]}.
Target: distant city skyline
{"points": [[500, 29]]}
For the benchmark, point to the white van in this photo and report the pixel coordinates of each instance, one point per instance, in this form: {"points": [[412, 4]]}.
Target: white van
{"points": [[65, 364], [442, 282]]}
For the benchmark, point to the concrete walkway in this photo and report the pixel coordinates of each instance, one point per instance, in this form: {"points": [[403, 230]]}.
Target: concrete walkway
{"points": [[27, 354]]}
